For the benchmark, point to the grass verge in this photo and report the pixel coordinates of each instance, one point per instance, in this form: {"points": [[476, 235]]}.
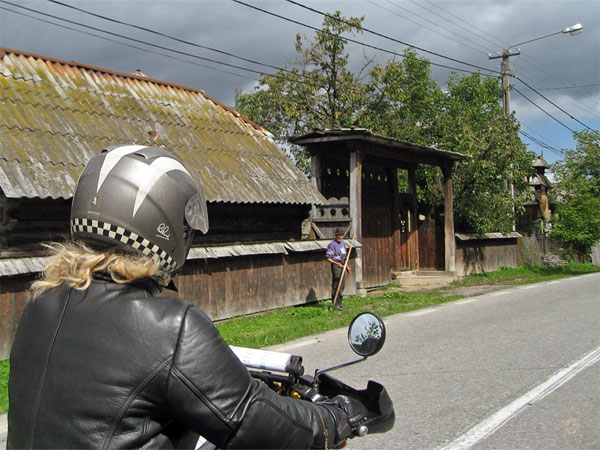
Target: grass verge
{"points": [[285, 324]]}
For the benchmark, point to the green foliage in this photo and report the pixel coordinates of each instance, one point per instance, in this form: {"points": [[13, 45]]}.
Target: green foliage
{"points": [[474, 124], [576, 225], [576, 194], [405, 103], [579, 170], [526, 275]]}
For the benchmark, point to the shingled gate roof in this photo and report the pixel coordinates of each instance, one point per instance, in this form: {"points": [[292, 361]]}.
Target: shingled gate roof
{"points": [[55, 115]]}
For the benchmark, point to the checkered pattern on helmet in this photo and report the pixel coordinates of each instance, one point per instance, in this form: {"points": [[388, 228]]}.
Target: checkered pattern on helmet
{"points": [[79, 225]]}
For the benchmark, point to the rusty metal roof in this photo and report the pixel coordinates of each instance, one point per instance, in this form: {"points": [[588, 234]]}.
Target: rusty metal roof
{"points": [[55, 115]]}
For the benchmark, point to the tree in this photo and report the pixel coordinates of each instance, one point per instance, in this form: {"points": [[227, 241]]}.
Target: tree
{"points": [[576, 194], [400, 99], [323, 93], [405, 102], [473, 123]]}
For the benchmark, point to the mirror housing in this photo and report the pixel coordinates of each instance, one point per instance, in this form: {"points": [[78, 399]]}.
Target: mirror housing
{"points": [[366, 334]]}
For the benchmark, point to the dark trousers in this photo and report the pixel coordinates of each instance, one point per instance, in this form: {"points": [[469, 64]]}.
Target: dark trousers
{"points": [[336, 273]]}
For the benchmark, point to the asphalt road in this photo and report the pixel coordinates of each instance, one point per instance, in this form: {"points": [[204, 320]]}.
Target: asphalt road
{"points": [[512, 369]]}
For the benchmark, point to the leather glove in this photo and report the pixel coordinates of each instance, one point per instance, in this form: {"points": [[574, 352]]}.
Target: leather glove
{"points": [[347, 414]]}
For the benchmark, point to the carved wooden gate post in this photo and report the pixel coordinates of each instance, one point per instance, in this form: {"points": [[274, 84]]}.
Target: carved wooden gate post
{"points": [[449, 241], [355, 213]]}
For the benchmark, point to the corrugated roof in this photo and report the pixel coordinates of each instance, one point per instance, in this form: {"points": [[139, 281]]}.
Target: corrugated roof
{"points": [[17, 266], [55, 115]]}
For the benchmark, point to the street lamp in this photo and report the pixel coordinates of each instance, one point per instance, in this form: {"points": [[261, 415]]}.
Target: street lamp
{"points": [[505, 68]]}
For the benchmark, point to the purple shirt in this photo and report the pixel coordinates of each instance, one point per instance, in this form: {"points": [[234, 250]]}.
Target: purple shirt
{"points": [[336, 251]]}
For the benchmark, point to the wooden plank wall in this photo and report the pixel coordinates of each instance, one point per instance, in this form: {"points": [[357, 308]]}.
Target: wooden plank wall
{"points": [[223, 288], [236, 286], [485, 255], [14, 296]]}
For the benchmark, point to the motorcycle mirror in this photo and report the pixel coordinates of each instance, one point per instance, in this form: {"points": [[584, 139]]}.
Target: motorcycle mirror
{"points": [[366, 334]]}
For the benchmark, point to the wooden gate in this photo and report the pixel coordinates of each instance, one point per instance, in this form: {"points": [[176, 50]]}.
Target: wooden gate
{"points": [[403, 235], [431, 240], [377, 224]]}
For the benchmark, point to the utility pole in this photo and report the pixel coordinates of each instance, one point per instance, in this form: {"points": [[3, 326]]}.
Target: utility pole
{"points": [[505, 69]]}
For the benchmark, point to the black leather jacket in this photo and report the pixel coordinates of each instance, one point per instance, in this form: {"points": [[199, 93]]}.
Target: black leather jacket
{"points": [[114, 366]]}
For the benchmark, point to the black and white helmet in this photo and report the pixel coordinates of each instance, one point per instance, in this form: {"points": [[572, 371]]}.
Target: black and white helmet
{"points": [[139, 197]]}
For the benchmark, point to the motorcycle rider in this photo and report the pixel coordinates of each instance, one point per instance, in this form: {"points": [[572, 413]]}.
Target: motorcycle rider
{"points": [[99, 360]]}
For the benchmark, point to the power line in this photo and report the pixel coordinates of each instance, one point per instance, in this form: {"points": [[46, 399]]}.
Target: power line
{"points": [[180, 40], [376, 34], [540, 143], [158, 33], [387, 37], [127, 45], [568, 87], [539, 65], [555, 105], [196, 56], [583, 106], [135, 40], [541, 109], [470, 25], [454, 23], [424, 26], [276, 75], [362, 43]]}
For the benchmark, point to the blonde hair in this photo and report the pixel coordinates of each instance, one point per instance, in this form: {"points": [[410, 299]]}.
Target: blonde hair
{"points": [[74, 263]]}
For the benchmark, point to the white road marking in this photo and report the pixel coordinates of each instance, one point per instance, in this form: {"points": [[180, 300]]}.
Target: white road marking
{"points": [[421, 312], [464, 302], [283, 348], [530, 286], [498, 293], [488, 426]]}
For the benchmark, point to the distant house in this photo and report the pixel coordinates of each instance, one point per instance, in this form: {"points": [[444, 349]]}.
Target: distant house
{"points": [[56, 115]]}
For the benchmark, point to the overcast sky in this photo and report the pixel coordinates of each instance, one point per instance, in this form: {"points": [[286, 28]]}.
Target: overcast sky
{"points": [[562, 68]]}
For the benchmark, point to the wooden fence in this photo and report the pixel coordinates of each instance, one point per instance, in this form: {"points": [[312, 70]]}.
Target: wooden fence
{"points": [[485, 253]]}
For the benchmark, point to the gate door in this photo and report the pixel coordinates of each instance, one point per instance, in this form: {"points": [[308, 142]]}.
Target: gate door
{"points": [[377, 224]]}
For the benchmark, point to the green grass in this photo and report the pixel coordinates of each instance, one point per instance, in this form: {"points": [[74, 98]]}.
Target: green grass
{"points": [[290, 323], [4, 370], [285, 324], [527, 275]]}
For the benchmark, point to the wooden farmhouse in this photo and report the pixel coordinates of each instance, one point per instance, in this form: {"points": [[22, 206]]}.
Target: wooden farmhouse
{"points": [[56, 115]]}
